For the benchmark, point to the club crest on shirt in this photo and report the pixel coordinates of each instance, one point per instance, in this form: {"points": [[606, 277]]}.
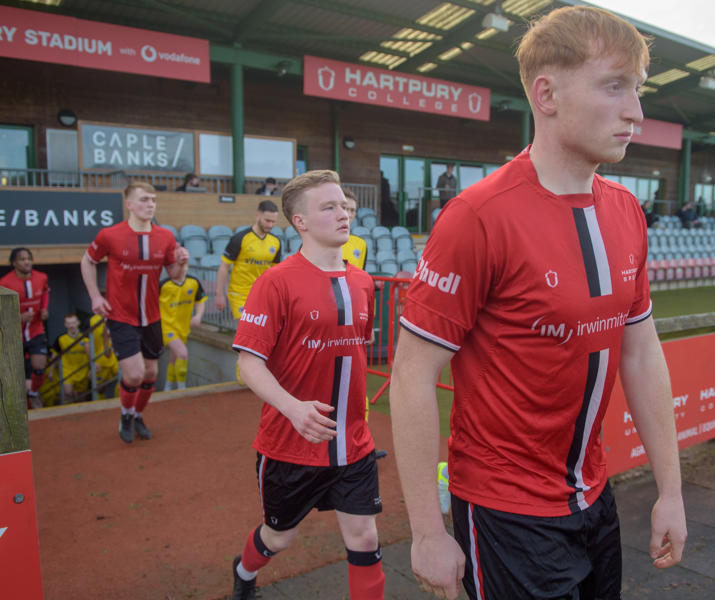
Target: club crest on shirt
{"points": [[552, 278], [314, 314], [356, 253]]}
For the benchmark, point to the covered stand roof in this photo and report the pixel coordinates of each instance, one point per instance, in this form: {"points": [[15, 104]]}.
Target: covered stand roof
{"points": [[467, 41]]}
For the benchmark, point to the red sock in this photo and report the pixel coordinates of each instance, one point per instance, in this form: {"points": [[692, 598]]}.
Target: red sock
{"points": [[255, 553], [127, 395], [145, 391], [36, 380], [366, 581]]}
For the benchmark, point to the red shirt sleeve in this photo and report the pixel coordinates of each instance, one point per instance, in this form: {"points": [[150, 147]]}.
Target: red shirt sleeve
{"points": [[45, 301], [99, 248], [452, 280], [262, 319], [642, 306]]}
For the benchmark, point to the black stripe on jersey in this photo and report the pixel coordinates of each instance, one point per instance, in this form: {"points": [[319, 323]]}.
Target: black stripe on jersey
{"points": [[334, 399], [139, 299], [589, 258], [141, 247], [578, 441], [339, 300]]}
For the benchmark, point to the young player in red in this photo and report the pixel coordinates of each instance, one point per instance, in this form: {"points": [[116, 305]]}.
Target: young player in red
{"points": [[136, 252], [301, 341], [533, 283], [31, 286]]}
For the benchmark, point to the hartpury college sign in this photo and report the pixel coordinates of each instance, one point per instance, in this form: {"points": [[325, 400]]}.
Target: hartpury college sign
{"points": [[34, 35], [368, 85]]}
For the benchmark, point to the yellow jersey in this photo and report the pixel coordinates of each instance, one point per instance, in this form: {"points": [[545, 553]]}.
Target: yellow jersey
{"points": [[73, 360], [176, 305], [103, 361], [355, 251], [250, 256]]}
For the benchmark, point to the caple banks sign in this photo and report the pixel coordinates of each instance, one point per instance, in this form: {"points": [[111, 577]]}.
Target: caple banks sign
{"points": [[135, 149], [34, 35], [368, 85]]}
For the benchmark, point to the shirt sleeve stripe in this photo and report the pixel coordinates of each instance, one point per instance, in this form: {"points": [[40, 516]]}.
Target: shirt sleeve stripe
{"points": [[427, 336], [96, 262], [641, 317], [238, 348]]}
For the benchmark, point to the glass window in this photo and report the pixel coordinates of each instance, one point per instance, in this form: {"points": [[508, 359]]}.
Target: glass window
{"points": [[15, 147], [301, 160], [215, 154], [269, 157], [469, 176], [62, 157]]}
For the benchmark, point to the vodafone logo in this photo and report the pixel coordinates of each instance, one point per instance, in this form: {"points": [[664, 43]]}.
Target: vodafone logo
{"points": [[148, 53]]}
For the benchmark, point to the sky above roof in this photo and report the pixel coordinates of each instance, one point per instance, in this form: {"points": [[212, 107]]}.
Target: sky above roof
{"points": [[693, 19]]}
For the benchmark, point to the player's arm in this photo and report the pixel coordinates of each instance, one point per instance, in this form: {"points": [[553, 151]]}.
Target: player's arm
{"points": [[646, 383], [200, 308], [306, 417], [45, 302], [221, 280], [437, 559], [88, 269]]}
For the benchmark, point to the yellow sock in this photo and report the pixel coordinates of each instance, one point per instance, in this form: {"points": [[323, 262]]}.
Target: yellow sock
{"points": [[171, 373], [180, 369]]}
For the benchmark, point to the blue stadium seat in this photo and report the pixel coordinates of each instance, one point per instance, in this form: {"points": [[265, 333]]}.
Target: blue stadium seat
{"points": [[404, 243], [389, 267], [409, 266], [398, 232], [383, 255], [369, 221], [193, 231], [241, 228], [380, 231], [384, 243], [294, 244], [290, 232], [173, 230], [210, 260]]}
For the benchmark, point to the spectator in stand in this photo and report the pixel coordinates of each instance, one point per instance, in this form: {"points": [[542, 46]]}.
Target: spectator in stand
{"points": [[268, 188], [650, 217], [191, 180], [106, 363], [136, 251], [177, 299], [447, 185], [355, 250], [314, 447], [73, 352], [688, 216], [249, 253], [34, 295]]}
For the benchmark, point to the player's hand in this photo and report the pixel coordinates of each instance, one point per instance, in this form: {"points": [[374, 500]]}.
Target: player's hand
{"points": [[308, 421], [44, 314], [27, 316], [668, 531], [438, 564], [220, 301], [195, 321], [100, 306], [181, 255]]}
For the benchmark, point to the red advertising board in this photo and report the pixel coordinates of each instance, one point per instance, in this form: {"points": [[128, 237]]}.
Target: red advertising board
{"points": [[34, 35], [690, 362], [380, 87], [19, 548], [658, 133]]}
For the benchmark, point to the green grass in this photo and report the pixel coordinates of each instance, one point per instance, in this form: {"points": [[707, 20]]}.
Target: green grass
{"points": [[667, 303]]}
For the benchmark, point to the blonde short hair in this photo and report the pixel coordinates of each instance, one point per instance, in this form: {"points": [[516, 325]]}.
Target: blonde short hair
{"points": [[138, 185], [567, 37], [296, 187]]}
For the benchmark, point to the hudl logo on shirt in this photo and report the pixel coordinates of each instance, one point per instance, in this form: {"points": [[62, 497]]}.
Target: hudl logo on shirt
{"points": [[447, 283], [259, 320]]}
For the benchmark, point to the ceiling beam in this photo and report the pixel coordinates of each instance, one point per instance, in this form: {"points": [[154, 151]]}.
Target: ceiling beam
{"points": [[256, 18], [256, 60]]}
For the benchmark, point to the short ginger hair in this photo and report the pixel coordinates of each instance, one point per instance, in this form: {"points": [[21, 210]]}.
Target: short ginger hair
{"points": [[138, 185], [296, 187], [567, 37]]}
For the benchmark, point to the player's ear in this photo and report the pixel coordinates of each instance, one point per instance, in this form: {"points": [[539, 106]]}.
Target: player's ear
{"points": [[298, 222], [543, 94]]}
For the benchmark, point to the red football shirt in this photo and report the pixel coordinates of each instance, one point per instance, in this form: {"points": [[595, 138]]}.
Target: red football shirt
{"points": [[134, 263], [34, 295], [532, 292], [311, 327]]}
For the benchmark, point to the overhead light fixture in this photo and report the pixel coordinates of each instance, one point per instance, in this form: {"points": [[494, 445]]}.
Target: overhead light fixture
{"points": [[349, 142], [282, 68], [66, 117], [495, 21], [707, 82]]}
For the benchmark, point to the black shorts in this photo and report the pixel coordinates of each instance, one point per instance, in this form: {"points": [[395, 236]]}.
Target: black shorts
{"points": [[36, 345], [289, 491], [128, 340], [574, 557]]}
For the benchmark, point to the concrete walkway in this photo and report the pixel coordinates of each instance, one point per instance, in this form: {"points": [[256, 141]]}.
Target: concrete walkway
{"points": [[692, 579]]}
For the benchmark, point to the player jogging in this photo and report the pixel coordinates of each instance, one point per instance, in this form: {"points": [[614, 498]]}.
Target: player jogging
{"points": [[301, 340], [534, 284], [34, 295], [177, 298], [136, 251]]}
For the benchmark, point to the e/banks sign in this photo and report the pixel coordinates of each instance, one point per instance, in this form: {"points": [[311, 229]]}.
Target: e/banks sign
{"points": [[34, 35], [368, 85]]}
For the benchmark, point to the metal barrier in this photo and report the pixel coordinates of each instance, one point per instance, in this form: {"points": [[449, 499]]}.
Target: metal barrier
{"points": [[390, 294], [220, 318]]}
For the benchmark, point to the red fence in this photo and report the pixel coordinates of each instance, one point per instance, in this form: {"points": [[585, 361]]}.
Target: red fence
{"points": [[690, 362]]}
